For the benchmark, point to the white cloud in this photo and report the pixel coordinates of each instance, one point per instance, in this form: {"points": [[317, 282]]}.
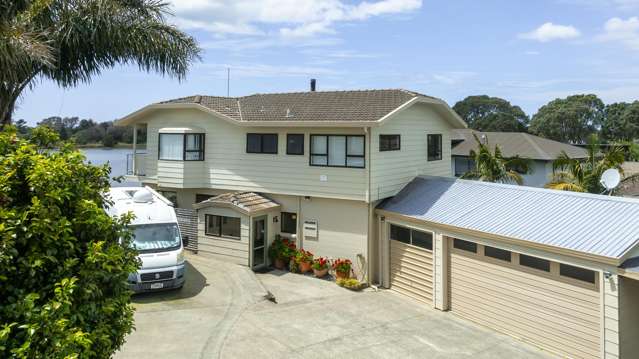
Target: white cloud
{"points": [[255, 70], [453, 77], [622, 31], [532, 53], [549, 31], [624, 5], [288, 18]]}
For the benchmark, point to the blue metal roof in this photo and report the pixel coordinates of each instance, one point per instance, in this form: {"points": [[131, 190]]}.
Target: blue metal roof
{"points": [[599, 225]]}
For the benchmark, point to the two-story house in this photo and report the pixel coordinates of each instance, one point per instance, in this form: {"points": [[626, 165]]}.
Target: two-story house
{"points": [[324, 160], [367, 175]]}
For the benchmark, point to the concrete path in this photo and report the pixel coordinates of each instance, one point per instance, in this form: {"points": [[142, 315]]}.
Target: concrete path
{"points": [[222, 313]]}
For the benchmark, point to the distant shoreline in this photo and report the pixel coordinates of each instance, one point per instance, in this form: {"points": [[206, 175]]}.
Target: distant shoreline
{"points": [[127, 146]]}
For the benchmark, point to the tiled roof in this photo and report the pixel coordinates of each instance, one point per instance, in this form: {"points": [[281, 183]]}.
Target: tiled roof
{"points": [[516, 144], [599, 225], [364, 105], [246, 202]]}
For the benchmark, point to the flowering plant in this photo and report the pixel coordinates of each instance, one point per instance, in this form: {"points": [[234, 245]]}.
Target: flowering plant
{"points": [[282, 249], [320, 263], [303, 256], [342, 265]]}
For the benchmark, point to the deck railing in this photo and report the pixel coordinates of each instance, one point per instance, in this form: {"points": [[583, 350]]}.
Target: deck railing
{"points": [[140, 159]]}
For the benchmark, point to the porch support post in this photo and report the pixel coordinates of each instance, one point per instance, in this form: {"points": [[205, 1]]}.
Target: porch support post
{"points": [[135, 145]]}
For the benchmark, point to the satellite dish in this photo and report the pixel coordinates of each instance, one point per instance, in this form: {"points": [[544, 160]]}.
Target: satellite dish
{"points": [[142, 196], [610, 179]]}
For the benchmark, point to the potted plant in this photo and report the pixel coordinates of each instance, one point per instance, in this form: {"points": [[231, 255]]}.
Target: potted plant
{"points": [[280, 251], [342, 268], [320, 267], [304, 260], [350, 283]]}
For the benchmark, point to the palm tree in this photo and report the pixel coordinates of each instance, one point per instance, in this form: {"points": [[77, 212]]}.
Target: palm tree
{"points": [[70, 41], [577, 175], [493, 167]]}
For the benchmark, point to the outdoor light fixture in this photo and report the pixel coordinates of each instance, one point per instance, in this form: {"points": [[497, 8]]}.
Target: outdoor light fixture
{"points": [[607, 274], [275, 219]]}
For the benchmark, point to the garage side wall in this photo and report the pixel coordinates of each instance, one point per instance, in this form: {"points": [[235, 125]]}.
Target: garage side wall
{"points": [[628, 317]]}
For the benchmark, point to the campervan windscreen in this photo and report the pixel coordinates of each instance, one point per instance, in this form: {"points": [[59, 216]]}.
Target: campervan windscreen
{"points": [[156, 237]]}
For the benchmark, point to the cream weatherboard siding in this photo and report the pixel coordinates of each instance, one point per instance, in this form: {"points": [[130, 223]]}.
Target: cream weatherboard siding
{"points": [[232, 250], [392, 170], [558, 315], [411, 271], [227, 166]]}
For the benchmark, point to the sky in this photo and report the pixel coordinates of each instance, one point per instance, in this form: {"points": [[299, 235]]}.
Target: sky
{"points": [[527, 52]]}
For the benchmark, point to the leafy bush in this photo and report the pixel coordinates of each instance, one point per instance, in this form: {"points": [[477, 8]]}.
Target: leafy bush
{"points": [[303, 256], [282, 248], [63, 270]]}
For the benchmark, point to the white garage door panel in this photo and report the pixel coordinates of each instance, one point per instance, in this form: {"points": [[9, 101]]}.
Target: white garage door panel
{"points": [[559, 316], [411, 271]]}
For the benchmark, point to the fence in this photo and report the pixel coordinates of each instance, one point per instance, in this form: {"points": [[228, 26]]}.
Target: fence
{"points": [[187, 220]]}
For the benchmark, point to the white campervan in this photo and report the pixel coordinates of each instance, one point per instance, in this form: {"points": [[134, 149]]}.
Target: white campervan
{"points": [[157, 238]]}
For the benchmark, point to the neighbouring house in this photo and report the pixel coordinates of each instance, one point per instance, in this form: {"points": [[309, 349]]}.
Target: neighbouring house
{"points": [[366, 175], [541, 151]]}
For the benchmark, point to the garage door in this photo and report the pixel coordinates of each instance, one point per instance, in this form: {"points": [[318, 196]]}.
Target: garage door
{"points": [[411, 271], [551, 305]]}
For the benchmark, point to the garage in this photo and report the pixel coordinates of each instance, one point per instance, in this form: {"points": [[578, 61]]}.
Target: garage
{"points": [[554, 306], [411, 262]]}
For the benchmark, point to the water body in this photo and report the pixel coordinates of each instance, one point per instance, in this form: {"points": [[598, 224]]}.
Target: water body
{"points": [[116, 157]]}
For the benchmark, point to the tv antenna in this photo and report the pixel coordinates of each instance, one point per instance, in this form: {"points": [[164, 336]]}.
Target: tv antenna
{"points": [[610, 179]]}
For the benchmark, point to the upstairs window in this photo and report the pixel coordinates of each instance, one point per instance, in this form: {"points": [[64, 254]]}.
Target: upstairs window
{"points": [[337, 151], [261, 143], [577, 273], [294, 144], [181, 146], [465, 245], [434, 147], [289, 223], [389, 143]]}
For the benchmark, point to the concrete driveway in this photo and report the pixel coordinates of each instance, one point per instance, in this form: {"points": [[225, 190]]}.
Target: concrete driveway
{"points": [[222, 313]]}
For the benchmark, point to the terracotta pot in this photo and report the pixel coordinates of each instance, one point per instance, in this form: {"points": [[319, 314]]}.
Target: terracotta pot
{"points": [[342, 275], [320, 273], [305, 267], [279, 263]]}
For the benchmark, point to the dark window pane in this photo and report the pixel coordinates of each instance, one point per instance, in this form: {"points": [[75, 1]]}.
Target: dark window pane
{"points": [[171, 196], [389, 142], [289, 223], [534, 262], [253, 143], [202, 197], [422, 239], [231, 227], [269, 143], [400, 234], [497, 253], [434, 147], [577, 273], [465, 245], [295, 144], [212, 225]]}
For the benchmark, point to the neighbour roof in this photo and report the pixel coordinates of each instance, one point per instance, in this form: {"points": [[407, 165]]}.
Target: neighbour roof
{"points": [[593, 224], [364, 105], [246, 202], [516, 144], [631, 265]]}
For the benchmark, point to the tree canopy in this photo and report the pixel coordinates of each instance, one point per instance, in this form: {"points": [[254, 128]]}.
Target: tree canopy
{"points": [[71, 41], [484, 113], [570, 120], [64, 262], [621, 121]]}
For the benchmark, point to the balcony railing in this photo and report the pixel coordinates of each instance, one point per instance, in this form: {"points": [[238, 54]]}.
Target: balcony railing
{"points": [[137, 169]]}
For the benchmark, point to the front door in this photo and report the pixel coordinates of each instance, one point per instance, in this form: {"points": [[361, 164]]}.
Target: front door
{"points": [[259, 242]]}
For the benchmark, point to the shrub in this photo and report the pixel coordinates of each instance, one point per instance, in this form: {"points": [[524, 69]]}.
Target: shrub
{"points": [[320, 263], [342, 265], [282, 249], [64, 261]]}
